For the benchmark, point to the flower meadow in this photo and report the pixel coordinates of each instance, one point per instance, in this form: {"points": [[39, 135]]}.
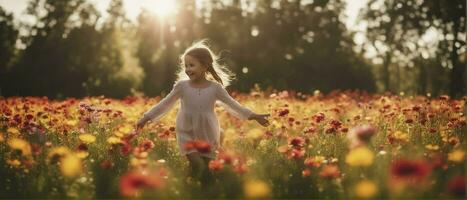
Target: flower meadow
{"points": [[345, 144]]}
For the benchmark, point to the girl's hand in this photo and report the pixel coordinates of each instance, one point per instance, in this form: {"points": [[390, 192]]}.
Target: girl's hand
{"points": [[140, 124], [261, 118]]}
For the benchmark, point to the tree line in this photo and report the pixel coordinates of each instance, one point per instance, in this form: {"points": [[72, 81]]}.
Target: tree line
{"points": [[73, 51]]}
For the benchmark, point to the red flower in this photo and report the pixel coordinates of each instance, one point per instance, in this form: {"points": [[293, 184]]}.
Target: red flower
{"points": [[164, 134], [29, 117], [410, 170], [133, 182], [106, 164], [330, 130], [283, 112], [225, 157], [310, 162], [128, 137], [319, 117], [456, 186], [126, 148], [200, 145], [345, 130], [189, 145], [146, 145], [297, 142], [336, 124]]}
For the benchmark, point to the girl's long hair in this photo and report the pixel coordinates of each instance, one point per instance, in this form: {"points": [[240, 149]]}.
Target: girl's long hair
{"points": [[201, 51]]}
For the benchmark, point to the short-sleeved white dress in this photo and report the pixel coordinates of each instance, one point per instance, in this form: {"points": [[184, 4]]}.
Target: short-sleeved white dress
{"points": [[196, 119]]}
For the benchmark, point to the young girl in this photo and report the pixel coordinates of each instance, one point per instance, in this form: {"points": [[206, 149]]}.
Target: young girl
{"points": [[196, 120]]}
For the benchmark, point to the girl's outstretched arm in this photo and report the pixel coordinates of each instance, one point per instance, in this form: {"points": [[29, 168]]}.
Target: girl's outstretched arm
{"points": [[161, 108], [235, 108]]}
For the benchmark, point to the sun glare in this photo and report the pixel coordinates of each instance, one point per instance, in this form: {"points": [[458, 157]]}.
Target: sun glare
{"points": [[163, 7]]}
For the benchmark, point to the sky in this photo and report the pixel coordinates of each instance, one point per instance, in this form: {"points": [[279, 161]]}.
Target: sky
{"points": [[133, 7]]}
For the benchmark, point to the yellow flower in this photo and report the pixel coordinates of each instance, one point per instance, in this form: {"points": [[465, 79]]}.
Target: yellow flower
{"points": [[87, 138], [82, 154], [1, 137], [71, 122], [456, 156], [365, 189], [360, 156], [114, 140], [256, 189], [13, 131], [254, 133], [275, 124], [118, 134], [399, 135], [125, 129], [58, 152], [71, 166], [14, 163], [432, 147], [21, 145], [319, 159]]}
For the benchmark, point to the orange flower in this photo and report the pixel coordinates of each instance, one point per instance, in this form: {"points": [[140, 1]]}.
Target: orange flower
{"points": [[241, 168], [306, 172], [216, 165], [330, 172], [296, 154], [225, 157], [314, 162]]}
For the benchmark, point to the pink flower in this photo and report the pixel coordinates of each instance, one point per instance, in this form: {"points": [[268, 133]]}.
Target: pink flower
{"points": [[363, 133]]}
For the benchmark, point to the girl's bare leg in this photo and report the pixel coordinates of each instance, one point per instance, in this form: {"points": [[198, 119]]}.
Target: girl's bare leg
{"points": [[207, 176], [196, 165]]}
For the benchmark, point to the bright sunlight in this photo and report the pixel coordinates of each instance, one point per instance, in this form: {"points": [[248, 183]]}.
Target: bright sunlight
{"points": [[162, 7]]}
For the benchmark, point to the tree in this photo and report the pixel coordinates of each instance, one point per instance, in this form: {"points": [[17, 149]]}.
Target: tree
{"points": [[8, 37], [397, 29]]}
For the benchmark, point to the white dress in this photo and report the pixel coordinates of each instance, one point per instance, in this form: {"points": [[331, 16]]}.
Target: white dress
{"points": [[196, 119]]}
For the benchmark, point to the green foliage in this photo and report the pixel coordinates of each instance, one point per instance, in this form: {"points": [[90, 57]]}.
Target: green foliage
{"points": [[72, 51]]}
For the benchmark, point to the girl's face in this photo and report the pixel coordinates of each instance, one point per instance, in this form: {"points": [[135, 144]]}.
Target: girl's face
{"points": [[194, 69]]}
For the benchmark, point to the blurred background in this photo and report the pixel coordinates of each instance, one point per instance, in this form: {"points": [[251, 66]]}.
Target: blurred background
{"points": [[117, 48]]}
